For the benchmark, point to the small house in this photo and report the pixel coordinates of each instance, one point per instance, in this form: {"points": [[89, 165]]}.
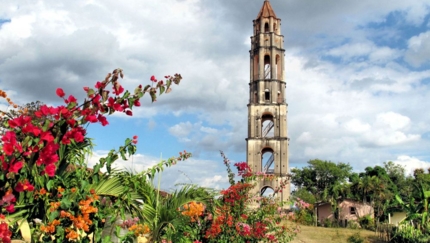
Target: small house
{"points": [[348, 210]]}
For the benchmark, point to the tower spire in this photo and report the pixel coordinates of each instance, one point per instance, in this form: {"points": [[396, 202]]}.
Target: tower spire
{"points": [[266, 11]]}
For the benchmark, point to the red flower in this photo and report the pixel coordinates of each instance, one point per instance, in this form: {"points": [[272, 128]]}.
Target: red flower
{"points": [[26, 186], [10, 208], [50, 170], [136, 103], [134, 141], [129, 112], [91, 118], [118, 90], [71, 99], [153, 79], [16, 167], [47, 136], [99, 85], [60, 92], [102, 120]]}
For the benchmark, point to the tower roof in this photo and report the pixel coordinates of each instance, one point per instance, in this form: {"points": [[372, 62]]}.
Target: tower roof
{"points": [[266, 11]]}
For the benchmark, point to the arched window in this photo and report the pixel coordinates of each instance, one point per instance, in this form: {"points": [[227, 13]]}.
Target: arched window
{"points": [[266, 28], [267, 95], [267, 126], [267, 161], [267, 67], [267, 191]]}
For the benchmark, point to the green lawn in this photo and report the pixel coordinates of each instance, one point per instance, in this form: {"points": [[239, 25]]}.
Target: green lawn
{"points": [[310, 234]]}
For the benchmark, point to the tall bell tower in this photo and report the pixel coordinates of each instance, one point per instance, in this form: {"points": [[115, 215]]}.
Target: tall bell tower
{"points": [[267, 142]]}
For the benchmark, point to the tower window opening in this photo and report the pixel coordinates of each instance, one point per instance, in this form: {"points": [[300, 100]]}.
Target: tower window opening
{"points": [[267, 161], [267, 192], [266, 28], [267, 67], [266, 94]]}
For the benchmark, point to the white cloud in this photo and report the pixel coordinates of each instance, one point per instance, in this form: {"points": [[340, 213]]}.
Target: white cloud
{"points": [[181, 130], [205, 173], [356, 126], [361, 110], [418, 52], [411, 163]]}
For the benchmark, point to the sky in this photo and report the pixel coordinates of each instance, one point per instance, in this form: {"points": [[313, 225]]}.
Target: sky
{"points": [[357, 73]]}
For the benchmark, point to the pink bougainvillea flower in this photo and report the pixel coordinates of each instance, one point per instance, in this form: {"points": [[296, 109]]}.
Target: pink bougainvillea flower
{"points": [[91, 118], [60, 92], [102, 120], [15, 167], [24, 186], [19, 121], [71, 99], [47, 136], [118, 90], [99, 85], [10, 208], [136, 103], [50, 170]]}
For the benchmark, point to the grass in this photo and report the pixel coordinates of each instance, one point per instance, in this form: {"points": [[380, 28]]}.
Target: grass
{"points": [[310, 234]]}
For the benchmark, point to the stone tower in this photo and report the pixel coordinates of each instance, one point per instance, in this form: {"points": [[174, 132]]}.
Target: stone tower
{"points": [[267, 142]]}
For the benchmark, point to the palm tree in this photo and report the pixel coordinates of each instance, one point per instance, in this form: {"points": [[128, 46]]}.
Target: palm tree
{"points": [[163, 213]]}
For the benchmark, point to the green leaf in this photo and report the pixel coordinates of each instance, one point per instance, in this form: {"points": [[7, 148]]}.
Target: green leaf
{"points": [[162, 88], [153, 96], [66, 203], [126, 95], [53, 215], [90, 92], [168, 83], [123, 155], [50, 184]]}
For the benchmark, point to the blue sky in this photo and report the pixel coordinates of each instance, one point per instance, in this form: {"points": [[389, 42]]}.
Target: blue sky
{"points": [[357, 76]]}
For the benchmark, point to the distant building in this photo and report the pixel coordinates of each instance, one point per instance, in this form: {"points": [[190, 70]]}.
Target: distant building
{"points": [[348, 210]]}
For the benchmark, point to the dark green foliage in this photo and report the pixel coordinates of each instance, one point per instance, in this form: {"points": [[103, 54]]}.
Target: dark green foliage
{"points": [[324, 179], [367, 222], [355, 238]]}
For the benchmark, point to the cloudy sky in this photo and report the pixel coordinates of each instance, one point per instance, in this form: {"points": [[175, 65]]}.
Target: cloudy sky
{"points": [[358, 77]]}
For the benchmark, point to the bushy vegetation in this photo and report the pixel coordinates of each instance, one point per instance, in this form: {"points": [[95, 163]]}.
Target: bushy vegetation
{"points": [[355, 238]]}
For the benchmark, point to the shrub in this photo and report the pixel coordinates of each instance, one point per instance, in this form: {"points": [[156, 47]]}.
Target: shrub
{"points": [[355, 238], [367, 222]]}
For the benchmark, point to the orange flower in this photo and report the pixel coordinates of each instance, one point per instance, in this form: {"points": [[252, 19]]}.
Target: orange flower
{"points": [[42, 191], [54, 206], [193, 210], [139, 229], [73, 190], [71, 234], [60, 189]]}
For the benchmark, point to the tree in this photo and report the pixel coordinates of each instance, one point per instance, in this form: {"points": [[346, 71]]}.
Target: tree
{"points": [[322, 178]]}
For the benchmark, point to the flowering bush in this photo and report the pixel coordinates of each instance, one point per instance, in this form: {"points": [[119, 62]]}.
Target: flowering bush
{"points": [[304, 213], [237, 215], [44, 179]]}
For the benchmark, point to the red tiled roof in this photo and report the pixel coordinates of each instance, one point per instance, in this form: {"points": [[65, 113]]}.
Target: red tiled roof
{"points": [[266, 11]]}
